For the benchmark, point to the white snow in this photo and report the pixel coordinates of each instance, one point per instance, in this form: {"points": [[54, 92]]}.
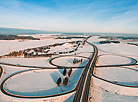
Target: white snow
{"points": [[85, 54], [120, 49], [113, 54], [67, 61], [120, 75], [40, 61], [113, 60], [39, 82], [7, 46], [43, 81]]}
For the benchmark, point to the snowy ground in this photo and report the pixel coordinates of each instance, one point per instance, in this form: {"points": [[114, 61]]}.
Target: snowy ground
{"points": [[9, 70], [120, 75], [40, 62], [7, 46], [120, 49], [113, 60], [111, 54], [86, 54], [105, 92], [67, 61], [40, 82], [43, 81]]}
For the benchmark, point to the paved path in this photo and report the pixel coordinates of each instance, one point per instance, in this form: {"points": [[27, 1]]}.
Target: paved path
{"points": [[5, 92], [82, 92], [1, 71]]}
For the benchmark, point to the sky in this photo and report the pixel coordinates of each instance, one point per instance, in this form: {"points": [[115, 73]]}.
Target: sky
{"points": [[104, 16]]}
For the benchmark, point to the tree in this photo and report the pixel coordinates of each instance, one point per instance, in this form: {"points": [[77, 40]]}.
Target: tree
{"points": [[81, 60], [65, 81], [28, 49], [70, 71], [36, 54], [20, 53], [83, 42], [59, 81], [64, 72], [25, 55]]}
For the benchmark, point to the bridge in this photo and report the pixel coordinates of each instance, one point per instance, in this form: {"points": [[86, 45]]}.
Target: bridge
{"points": [[82, 90]]}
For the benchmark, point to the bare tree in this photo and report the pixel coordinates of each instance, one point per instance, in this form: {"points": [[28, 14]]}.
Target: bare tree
{"points": [[65, 81], [64, 72], [28, 49], [70, 71], [81, 60], [25, 55], [59, 81]]}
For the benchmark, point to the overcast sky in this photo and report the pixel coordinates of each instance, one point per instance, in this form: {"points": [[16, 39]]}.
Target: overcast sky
{"points": [[114, 16]]}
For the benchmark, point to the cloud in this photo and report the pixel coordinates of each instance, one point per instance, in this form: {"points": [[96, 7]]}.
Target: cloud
{"points": [[73, 16]]}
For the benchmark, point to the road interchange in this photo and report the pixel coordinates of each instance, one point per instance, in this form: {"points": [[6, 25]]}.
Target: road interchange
{"points": [[83, 85]]}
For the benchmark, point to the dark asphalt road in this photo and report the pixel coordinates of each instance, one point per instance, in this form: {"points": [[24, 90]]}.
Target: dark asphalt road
{"points": [[82, 92]]}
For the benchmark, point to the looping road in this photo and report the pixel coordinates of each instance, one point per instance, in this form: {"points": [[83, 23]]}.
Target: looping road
{"points": [[83, 85]]}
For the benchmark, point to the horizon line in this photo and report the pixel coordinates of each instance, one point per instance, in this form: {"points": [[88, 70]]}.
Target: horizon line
{"points": [[64, 31]]}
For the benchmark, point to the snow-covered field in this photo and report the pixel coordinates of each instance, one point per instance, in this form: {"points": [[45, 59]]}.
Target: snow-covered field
{"points": [[120, 75], [113, 60], [114, 54], [40, 62], [67, 61], [7, 46], [29, 81], [42, 82]]}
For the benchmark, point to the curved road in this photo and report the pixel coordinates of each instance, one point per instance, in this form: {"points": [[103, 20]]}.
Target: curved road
{"points": [[77, 86], [82, 91], [83, 85], [118, 65], [59, 66], [1, 71]]}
